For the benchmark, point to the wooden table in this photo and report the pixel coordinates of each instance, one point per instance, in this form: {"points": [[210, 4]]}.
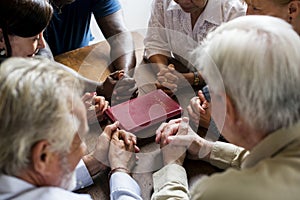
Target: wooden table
{"points": [[92, 62]]}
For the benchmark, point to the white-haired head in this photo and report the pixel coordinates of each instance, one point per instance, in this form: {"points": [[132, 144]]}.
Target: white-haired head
{"points": [[258, 58], [36, 103]]}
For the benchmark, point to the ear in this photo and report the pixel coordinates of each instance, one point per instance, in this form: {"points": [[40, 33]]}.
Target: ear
{"points": [[42, 157], [294, 9], [232, 115]]}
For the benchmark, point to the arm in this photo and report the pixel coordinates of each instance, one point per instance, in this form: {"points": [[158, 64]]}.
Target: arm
{"points": [[120, 40], [170, 182], [122, 159], [219, 154]]}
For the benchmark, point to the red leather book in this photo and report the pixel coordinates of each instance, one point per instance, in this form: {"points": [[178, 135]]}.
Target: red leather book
{"points": [[144, 111]]}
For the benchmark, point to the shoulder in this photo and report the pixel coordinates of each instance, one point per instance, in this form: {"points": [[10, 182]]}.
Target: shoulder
{"points": [[266, 180], [234, 5]]}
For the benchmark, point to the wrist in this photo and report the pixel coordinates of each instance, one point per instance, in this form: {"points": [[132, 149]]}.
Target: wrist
{"points": [[93, 165], [118, 169], [196, 80], [205, 151]]}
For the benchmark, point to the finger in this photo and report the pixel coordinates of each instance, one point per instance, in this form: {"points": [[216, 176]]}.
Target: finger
{"points": [[194, 116], [128, 137], [136, 149], [159, 132], [162, 71], [100, 103], [171, 77], [183, 126], [180, 140], [171, 67], [109, 129], [162, 127], [204, 102], [125, 90], [170, 86], [171, 129], [126, 81], [116, 136]]}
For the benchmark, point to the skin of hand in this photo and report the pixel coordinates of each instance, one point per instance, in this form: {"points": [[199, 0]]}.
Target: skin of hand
{"points": [[173, 153], [121, 155], [198, 148], [199, 110], [95, 105], [124, 90], [103, 142], [167, 77]]}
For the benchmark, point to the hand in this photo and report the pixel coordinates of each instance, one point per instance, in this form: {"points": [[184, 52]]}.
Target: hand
{"points": [[122, 155], [95, 105], [110, 83], [124, 90], [199, 110], [167, 129], [103, 142], [167, 79], [174, 153], [198, 148]]}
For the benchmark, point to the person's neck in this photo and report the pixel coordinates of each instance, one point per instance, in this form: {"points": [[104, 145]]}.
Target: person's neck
{"points": [[195, 15]]}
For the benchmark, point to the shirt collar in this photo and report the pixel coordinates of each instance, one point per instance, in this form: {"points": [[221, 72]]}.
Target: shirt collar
{"points": [[10, 186], [212, 12], [271, 145]]}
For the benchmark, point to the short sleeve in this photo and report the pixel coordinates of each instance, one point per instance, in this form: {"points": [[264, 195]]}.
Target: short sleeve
{"points": [[102, 8]]}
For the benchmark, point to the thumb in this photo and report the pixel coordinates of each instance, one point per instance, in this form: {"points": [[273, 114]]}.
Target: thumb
{"points": [[183, 126], [109, 129]]}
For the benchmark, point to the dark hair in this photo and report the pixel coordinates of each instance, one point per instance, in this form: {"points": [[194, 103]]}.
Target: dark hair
{"points": [[24, 18]]}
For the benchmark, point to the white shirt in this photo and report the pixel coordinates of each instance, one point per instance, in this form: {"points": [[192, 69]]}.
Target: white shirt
{"points": [[167, 17], [121, 184]]}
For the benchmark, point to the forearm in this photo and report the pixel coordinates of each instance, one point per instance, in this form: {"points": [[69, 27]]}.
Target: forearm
{"points": [[120, 40], [93, 165], [190, 77], [159, 61]]}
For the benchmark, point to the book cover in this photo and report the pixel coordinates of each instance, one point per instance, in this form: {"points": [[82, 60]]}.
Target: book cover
{"points": [[144, 111]]}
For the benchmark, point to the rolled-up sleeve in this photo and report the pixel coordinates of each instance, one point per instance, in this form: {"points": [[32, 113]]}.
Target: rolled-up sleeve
{"points": [[224, 155], [170, 182]]}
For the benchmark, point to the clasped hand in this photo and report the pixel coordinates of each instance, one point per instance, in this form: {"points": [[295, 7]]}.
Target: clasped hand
{"points": [[167, 79], [178, 136], [119, 87], [116, 148]]}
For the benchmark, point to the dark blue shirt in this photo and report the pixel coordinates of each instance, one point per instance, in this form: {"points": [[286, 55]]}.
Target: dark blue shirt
{"points": [[70, 29]]}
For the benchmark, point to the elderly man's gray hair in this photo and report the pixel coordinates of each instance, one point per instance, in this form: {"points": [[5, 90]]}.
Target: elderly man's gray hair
{"points": [[36, 103], [258, 58]]}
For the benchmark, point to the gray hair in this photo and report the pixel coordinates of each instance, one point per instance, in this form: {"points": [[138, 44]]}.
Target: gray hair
{"points": [[258, 59], [35, 104]]}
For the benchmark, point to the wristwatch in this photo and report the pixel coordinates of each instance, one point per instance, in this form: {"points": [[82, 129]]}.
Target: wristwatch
{"points": [[196, 78]]}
